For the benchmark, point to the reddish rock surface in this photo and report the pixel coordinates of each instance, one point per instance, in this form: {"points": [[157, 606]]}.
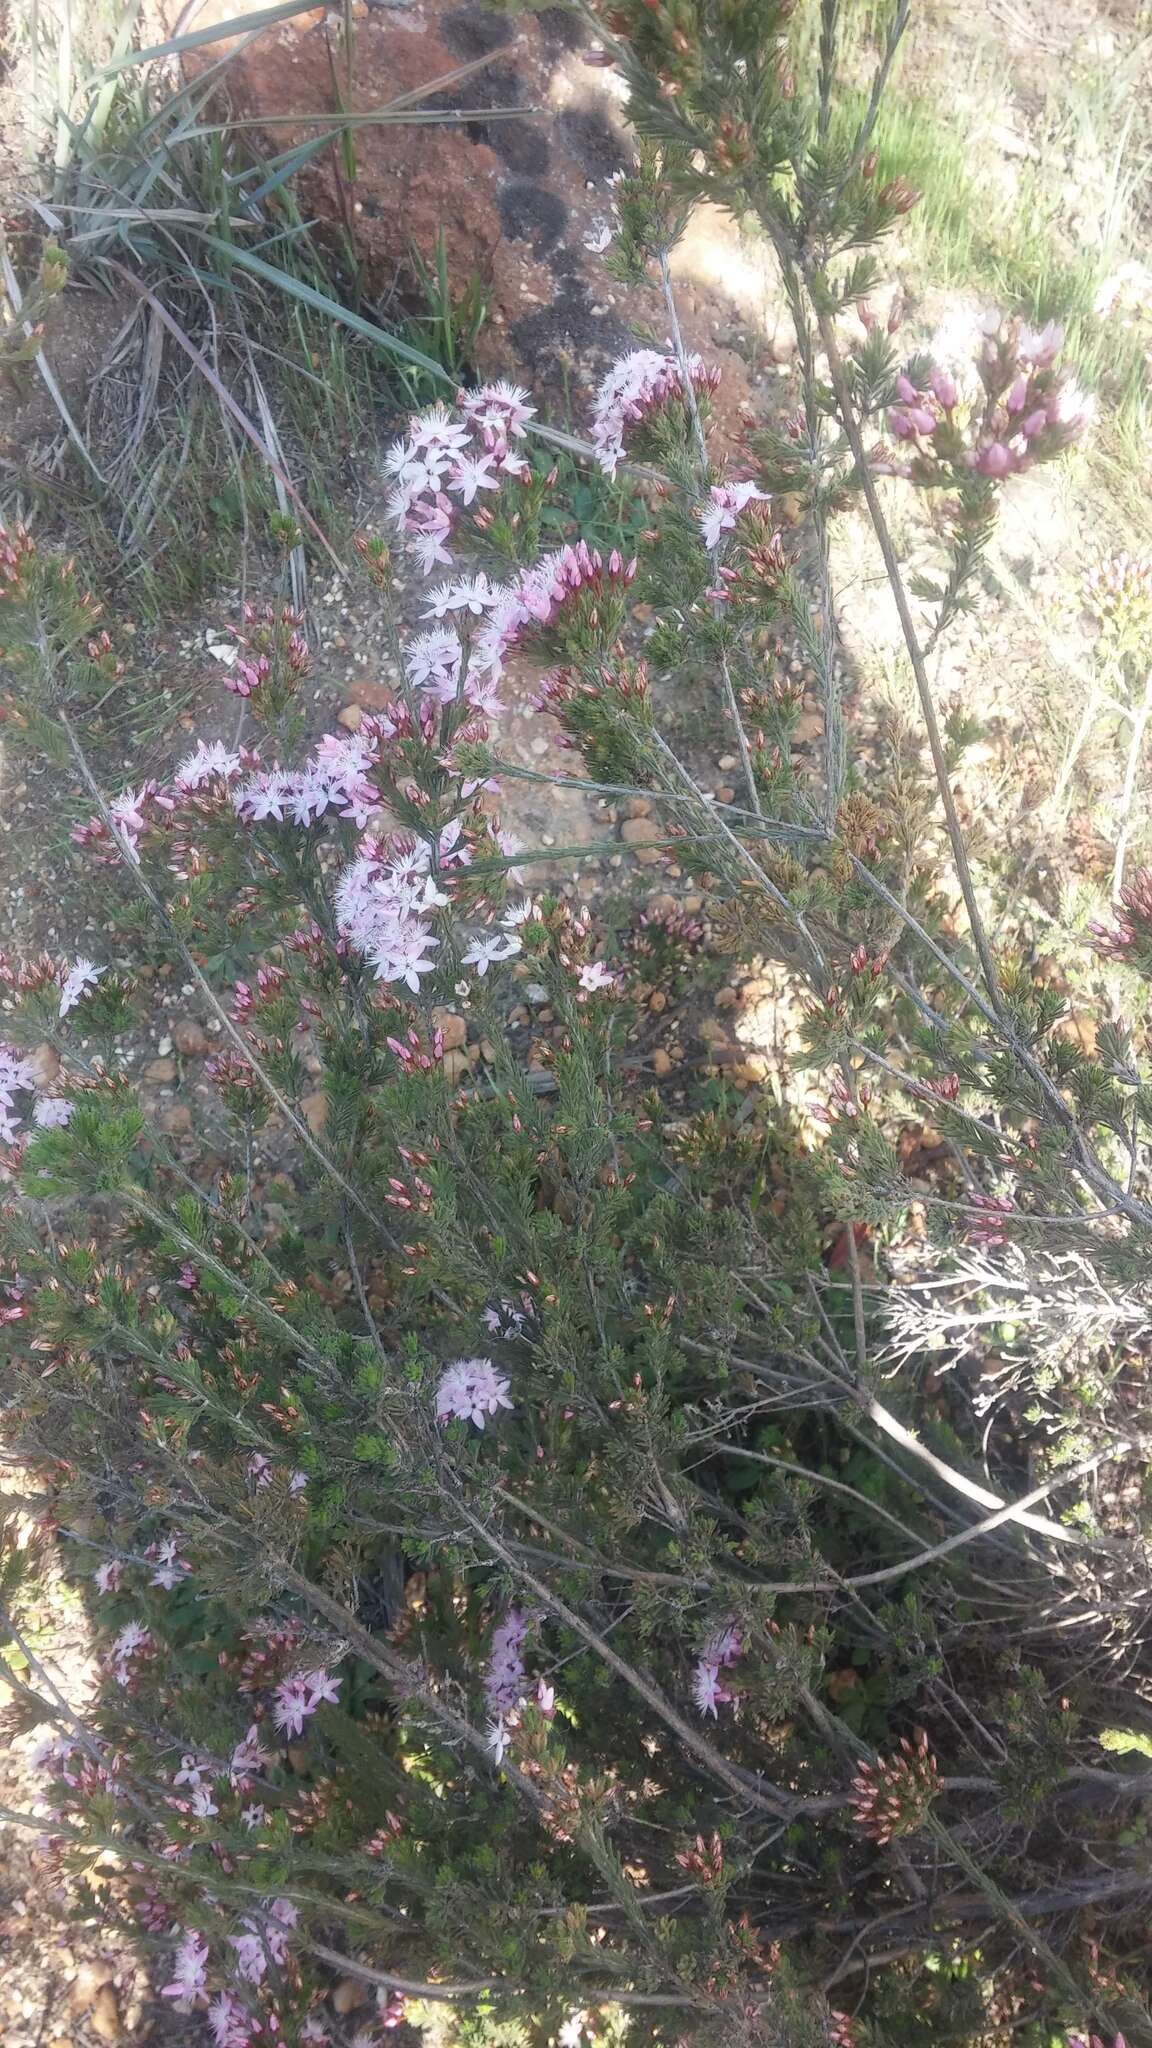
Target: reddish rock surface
{"points": [[514, 197]]}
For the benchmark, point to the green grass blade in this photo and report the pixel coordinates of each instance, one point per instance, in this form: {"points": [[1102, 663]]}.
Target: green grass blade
{"points": [[96, 117], [391, 344], [199, 38], [280, 169], [332, 309], [230, 405]]}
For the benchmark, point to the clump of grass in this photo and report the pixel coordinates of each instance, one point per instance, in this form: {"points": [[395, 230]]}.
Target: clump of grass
{"points": [[247, 378]]}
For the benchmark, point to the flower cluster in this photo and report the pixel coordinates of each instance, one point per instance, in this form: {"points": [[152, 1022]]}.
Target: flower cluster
{"points": [[16, 549], [443, 457], [298, 1698], [264, 1939], [19, 1077], [1119, 591], [133, 1644], [723, 1649], [16, 1076], [640, 385], [470, 1389], [505, 1677], [984, 1225], [271, 658], [1023, 411], [725, 504], [189, 1979], [1130, 938], [79, 978], [549, 592], [168, 1567], [893, 1796]]}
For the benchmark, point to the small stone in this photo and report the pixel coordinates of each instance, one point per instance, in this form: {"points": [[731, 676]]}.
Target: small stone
{"points": [[164, 1046], [658, 1001], [661, 1064], [636, 807], [712, 1032], [160, 1070], [349, 1995], [725, 794], [727, 999], [456, 1066], [44, 1061], [452, 1029], [190, 1038], [369, 696], [635, 832], [350, 717], [726, 761], [808, 727], [89, 1978], [662, 905], [177, 1121], [487, 1050], [693, 905], [315, 1111], [104, 2018]]}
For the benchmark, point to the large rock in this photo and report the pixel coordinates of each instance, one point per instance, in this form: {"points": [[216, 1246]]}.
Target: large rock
{"points": [[515, 198]]}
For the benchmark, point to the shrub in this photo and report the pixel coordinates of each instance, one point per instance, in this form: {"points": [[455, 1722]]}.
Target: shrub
{"points": [[521, 1585]]}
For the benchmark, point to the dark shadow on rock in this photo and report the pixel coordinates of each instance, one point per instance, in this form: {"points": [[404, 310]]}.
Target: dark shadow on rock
{"points": [[530, 213], [593, 142], [475, 31]]}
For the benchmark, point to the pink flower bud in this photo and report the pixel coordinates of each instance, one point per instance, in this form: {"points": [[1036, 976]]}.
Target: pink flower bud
{"points": [[906, 390], [944, 387], [901, 426], [1034, 424], [994, 461], [921, 420], [1017, 398]]}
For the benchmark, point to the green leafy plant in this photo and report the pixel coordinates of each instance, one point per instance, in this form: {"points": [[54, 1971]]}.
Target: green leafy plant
{"points": [[539, 1565]]}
